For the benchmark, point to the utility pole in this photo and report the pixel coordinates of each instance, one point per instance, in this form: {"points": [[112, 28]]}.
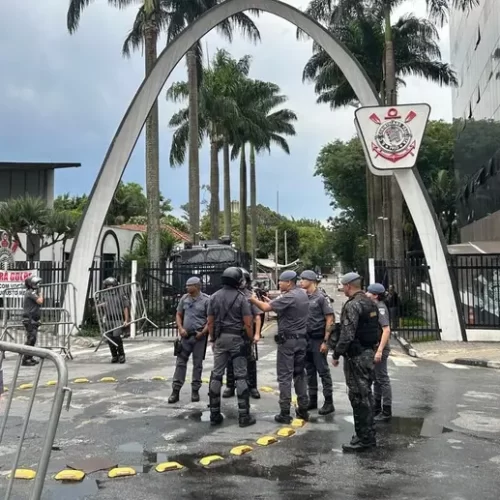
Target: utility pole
{"points": [[276, 257], [286, 250]]}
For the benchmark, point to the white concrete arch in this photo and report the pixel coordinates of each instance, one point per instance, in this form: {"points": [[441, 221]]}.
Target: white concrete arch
{"points": [[121, 147]]}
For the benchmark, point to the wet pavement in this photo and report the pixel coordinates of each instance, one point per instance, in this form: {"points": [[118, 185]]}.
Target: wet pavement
{"points": [[443, 442]]}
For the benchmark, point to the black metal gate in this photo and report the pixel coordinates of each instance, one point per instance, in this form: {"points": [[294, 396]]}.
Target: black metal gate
{"points": [[410, 298]]}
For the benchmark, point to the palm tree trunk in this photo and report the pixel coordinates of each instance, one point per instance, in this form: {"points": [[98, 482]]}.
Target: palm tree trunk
{"points": [[227, 189], [152, 157], [194, 166], [243, 200], [214, 189], [253, 209]]}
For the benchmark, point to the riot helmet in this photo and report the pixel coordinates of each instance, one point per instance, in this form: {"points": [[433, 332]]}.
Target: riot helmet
{"points": [[246, 277], [233, 277], [110, 282], [33, 282]]}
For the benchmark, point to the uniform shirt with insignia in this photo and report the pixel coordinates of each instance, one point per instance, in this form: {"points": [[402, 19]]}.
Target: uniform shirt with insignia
{"points": [[383, 319], [194, 311], [319, 308], [229, 306], [31, 309], [292, 309]]}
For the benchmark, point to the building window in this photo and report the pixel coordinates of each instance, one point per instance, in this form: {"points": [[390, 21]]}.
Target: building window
{"points": [[478, 39]]}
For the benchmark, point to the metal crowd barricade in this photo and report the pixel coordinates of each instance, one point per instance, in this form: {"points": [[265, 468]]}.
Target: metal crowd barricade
{"points": [[61, 390], [57, 322], [110, 305]]}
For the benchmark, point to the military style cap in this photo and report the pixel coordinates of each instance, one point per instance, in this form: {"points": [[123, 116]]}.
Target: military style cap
{"points": [[349, 278], [309, 275], [376, 288], [194, 280], [288, 276]]}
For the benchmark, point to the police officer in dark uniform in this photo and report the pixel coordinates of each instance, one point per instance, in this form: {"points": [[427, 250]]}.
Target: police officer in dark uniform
{"points": [[382, 390], [292, 308], [229, 325], [33, 301], [191, 317], [116, 307], [319, 328], [359, 334], [249, 347]]}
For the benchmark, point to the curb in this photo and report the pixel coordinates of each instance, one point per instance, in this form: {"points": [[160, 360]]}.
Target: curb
{"points": [[478, 362], [407, 347]]}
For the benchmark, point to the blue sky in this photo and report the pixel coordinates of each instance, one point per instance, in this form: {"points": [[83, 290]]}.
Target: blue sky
{"points": [[62, 98]]}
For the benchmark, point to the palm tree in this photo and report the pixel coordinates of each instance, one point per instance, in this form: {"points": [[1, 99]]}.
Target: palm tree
{"points": [[260, 128], [218, 112], [335, 13], [150, 21], [185, 12]]}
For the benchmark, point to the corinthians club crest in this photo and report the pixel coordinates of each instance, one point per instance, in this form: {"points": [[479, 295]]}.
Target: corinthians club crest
{"points": [[392, 134]]}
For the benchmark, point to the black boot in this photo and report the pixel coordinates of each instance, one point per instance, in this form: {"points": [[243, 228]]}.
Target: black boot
{"points": [[114, 359], [358, 445], [327, 407], [195, 396], [283, 417], [28, 362], [313, 402], [174, 397], [385, 415], [121, 359], [228, 392], [254, 393], [302, 413], [377, 407], [216, 418]]}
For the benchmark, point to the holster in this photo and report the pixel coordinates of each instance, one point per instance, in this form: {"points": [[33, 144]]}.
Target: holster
{"points": [[279, 338], [334, 337], [177, 346]]}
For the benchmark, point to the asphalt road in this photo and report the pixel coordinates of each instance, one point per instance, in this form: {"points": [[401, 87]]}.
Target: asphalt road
{"points": [[443, 442]]}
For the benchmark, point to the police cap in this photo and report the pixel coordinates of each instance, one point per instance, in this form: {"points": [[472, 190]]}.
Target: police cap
{"points": [[349, 278], [232, 276], [194, 280], [376, 289], [309, 275], [288, 276]]}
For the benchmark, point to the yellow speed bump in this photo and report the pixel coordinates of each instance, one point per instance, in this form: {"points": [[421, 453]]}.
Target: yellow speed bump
{"points": [[205, 380], [298, 422], [241, 450], [81, 381], [69, 475], [266, 440], [108, 379], [294, 400], [26, 386], [121, 472], [286, 432], [158, 378], [5, 389], [24, 474], [168, 466], [50, 383], [206, 461], [266, 389]]}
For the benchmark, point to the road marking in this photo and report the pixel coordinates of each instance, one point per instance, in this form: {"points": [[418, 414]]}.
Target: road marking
{"points": [[269, 357], [403, 362], [454, 366], [128, 350]]}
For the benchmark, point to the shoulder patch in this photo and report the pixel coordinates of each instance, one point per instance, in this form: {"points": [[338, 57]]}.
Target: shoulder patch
{"points": [[373, 314], [381, 311]]}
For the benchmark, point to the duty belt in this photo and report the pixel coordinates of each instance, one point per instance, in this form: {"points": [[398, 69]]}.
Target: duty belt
{"points": [[231, 332], [296, 336], [316, 334]]}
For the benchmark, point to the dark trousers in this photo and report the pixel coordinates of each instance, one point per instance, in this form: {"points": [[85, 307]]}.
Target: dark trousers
{"points": [[317, 364], [190, 346], [31, 328], [116, 350], [251, 368], [359, 375]]}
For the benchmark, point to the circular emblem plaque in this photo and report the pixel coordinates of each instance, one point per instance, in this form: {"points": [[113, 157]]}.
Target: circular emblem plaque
{"points": [[393, 137]]}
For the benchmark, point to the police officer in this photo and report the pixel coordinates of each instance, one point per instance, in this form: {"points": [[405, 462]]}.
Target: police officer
{"points": [[33, 301], [319, 328], [249, 347], [116, 307], [292, 308], [359, 333], [382, 390], [191, 317], [229, 323]]}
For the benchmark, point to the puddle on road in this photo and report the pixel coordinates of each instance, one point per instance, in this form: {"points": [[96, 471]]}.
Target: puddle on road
{"points": [[68, 490], [199, 416], [407, 426]]}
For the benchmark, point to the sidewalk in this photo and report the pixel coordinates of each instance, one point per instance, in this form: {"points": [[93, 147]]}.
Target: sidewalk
{"points": [[486, 354]]}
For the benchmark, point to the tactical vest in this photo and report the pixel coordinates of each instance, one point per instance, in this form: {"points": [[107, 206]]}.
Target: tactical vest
{"points": [[368, 330]]}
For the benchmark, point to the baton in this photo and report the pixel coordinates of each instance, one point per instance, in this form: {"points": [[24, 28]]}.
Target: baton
{"points": [[256, 352], [206, 344]]}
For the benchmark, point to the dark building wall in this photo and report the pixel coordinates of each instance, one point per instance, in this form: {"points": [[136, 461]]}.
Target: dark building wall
{"points": [[21, 182]]}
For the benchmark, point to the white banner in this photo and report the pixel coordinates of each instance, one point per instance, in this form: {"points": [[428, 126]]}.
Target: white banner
{"points": [[12, 282]]}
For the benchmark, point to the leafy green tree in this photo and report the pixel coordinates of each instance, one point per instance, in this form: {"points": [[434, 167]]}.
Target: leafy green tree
{"points": [[43, 226], [140, 251]]}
